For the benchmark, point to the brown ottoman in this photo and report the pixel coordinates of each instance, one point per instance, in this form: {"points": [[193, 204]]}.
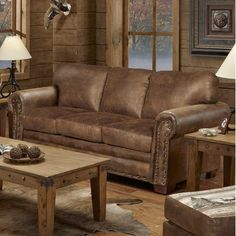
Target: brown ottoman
{"points": [[203, 213]]}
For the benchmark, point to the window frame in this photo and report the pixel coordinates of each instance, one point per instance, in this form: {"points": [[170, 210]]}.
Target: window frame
{"points": [[21, 27], [153, 34]]}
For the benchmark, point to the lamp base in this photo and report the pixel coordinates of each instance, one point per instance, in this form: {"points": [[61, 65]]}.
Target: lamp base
{"points": [[224, 124], [11, 85]]}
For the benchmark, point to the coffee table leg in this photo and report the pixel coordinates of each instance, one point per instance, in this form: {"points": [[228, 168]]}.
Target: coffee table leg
{"points": [[46, 208], [194, 166], [1, 183], [98, 188]]}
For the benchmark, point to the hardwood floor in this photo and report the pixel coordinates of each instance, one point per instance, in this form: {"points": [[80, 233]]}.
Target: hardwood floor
{"points": [[151, 211]]}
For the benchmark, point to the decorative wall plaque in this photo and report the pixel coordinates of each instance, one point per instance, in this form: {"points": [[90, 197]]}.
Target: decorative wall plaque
{"points": [[212, 26]]}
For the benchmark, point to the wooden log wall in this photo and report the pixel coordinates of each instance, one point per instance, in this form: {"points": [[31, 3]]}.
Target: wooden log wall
{"points": [[68, 39], [101, 32], [41, 45], [74, 37], [80, 37]]}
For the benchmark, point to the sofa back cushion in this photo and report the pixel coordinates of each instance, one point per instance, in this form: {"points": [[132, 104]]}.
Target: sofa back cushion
{"points": [[125, 91], [168, 89], [80, 85]]}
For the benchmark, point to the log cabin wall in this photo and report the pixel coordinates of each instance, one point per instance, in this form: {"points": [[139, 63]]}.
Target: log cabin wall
{"points": [[74, 36], [41, 45], [101, 32], [68, 39]]}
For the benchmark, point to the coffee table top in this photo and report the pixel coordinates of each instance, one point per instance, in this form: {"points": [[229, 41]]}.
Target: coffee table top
{"points": [[57, 162]]}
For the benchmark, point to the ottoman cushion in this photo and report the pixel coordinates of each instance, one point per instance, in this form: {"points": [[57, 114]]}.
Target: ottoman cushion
{"points": [[210, 212]]}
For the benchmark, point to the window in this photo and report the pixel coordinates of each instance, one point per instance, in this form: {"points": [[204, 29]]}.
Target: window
{"points": [[13, 14], [5, 25], [151, 33]]}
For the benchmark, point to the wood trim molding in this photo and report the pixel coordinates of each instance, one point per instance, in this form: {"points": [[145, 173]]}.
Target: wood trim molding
{"points": [[125, 33], [114, 37], [176, 29]]}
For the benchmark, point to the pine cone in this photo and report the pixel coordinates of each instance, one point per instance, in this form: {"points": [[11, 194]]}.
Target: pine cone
{"points": [[34, 152], [24, 148], [16, 153]]}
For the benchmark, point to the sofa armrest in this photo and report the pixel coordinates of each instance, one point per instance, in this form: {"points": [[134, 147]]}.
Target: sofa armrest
{"points": [[36, 97], [191, 118], [175, 123], [21, 101]]}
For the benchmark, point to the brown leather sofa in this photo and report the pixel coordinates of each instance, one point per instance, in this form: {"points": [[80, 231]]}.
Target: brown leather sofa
{"points": [[137, 117]]}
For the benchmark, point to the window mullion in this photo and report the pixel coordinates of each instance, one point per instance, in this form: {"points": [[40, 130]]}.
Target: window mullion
{"points": [[164, 34], [21, 7], [126, 33], [140, 33], [20, 63], [175, 12]]}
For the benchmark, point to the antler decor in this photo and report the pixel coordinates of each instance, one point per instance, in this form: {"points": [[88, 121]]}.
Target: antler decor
{"points": [[56, 7]]}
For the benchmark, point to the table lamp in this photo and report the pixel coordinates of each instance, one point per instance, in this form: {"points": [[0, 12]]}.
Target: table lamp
{"points": [[227, 71], [12, 49]]}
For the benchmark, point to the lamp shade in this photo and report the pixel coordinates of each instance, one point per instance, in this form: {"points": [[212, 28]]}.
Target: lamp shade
{"points": [[227, 69], [13, 49]]}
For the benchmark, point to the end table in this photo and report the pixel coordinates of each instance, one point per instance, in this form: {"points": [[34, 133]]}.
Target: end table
{"points": [[220, 145]]}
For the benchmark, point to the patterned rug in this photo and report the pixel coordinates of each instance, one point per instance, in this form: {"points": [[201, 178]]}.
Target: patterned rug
{"points": [[18, 213]]}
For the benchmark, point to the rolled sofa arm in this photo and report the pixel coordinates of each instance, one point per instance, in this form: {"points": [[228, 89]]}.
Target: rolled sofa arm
{"points": [[19, 102], [175, 123], [191, 118]]}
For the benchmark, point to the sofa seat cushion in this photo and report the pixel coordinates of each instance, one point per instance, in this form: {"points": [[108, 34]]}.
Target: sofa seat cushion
{"points": [[43, 119], [213, 211], [135, 134], [87, 125]]}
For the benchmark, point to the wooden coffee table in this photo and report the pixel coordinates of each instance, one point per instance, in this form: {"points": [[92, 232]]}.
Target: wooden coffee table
{"points": [[60, 168]]}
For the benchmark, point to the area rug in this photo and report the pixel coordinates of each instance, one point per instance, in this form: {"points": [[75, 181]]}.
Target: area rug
{"points": [[73, 216]]}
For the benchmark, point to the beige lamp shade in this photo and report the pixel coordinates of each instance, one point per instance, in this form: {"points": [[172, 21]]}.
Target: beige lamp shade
{"points": [[13, 49], [227, 69]]}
